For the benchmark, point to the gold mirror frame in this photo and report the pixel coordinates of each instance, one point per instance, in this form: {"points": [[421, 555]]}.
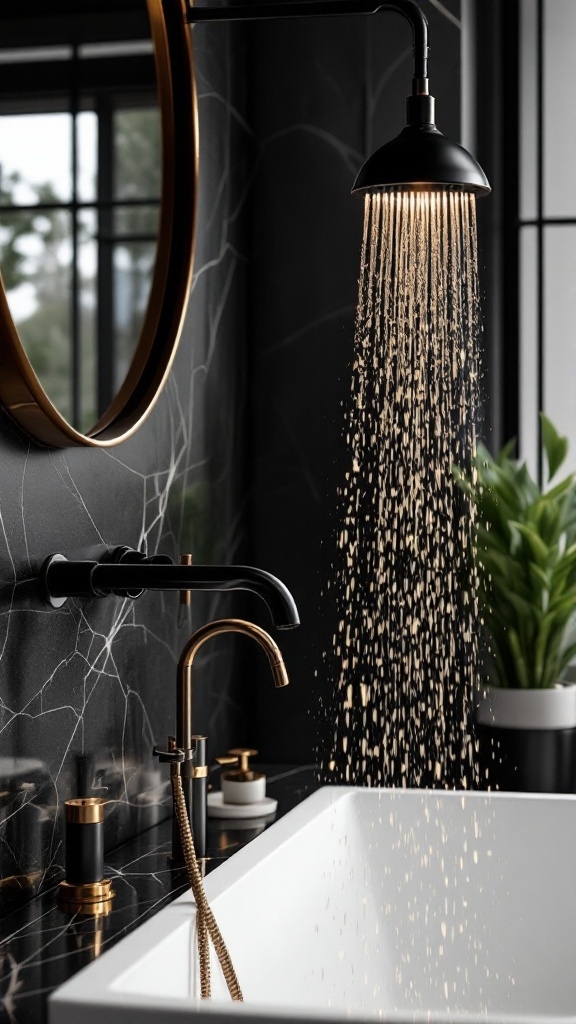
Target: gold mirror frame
{"points": [[20, 390]]}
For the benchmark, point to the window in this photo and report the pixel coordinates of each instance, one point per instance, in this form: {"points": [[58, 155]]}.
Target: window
{"points": [[547, 221]]}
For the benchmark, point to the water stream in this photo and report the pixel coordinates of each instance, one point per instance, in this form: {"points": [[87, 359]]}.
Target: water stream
{"points": [[404, 655]]}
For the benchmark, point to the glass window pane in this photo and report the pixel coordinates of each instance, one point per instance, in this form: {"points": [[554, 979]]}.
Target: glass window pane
{"points": [[559, 109], [140, 221], [87, 267], [36, 158], [87, 141], [529, 348], [137, 153], [35, 253], [559, 335], [528, 110], [133, 266]]}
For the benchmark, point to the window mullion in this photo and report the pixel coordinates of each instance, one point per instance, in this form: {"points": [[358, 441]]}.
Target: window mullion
{"points": [[76, 341], [105, 320]]}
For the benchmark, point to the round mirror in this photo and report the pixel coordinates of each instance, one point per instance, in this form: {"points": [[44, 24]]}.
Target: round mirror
{"points": [[98, 164]]}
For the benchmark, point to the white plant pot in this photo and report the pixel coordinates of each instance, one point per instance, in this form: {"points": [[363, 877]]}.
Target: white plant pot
{"points": [[553, 708]]}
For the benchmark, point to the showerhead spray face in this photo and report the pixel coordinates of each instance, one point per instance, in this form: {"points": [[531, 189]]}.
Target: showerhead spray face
{"points": [[421, 159]]}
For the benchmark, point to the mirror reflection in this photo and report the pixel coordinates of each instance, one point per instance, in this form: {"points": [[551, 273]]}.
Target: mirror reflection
{"points": [[80, 186]]}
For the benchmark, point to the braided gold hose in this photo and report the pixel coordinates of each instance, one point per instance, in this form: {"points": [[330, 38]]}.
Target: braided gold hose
{"points": [[203, 952], [206, 922]]}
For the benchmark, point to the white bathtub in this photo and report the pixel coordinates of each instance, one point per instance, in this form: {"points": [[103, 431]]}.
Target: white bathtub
{"points": [[366, 905]]}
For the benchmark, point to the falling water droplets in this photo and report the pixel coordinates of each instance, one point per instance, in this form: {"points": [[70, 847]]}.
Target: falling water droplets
{"points": [[404, 654]]}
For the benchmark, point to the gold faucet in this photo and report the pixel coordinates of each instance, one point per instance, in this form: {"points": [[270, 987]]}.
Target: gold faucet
{"points": [[194, 769]]}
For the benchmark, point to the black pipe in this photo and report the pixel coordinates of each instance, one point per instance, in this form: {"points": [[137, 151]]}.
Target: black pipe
{"points": [[199, 796], [331, 8]]}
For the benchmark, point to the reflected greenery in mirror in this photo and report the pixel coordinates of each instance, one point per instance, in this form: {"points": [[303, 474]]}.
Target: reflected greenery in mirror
{"points": [[80, 192]]}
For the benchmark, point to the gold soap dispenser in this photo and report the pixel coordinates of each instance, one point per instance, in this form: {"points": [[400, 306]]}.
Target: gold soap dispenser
{"points": [[243, 791]]}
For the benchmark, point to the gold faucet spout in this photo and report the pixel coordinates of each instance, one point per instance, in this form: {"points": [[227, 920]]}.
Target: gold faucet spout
{"points": [[196, 641]]}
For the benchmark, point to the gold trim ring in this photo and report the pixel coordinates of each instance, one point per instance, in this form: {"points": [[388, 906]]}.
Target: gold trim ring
{"points": [[86, 810]]}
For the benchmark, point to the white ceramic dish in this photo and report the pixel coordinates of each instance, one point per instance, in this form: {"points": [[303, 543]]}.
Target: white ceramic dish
{"points": [[217, 808], [366, 905]]}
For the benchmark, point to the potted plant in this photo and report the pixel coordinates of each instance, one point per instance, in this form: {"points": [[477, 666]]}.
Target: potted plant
{"points": [[525, 556]]}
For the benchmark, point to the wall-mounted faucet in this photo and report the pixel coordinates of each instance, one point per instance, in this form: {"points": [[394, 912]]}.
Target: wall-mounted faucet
{"points": [[129, 573], [194, 770]]}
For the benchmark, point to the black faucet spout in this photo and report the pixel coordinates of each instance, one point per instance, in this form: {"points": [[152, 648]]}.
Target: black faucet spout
{"points": [[60, 578]]}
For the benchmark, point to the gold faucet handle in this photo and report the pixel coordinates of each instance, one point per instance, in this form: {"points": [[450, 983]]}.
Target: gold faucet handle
{"points": [[243, 754], [226, 760], [185, 595]]}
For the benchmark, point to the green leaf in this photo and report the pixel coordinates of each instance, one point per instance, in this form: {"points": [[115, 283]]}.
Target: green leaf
{"points": [[564, 572], [519, 659], [555, 446], [546, 518], [551, 672], [525, 485], [541, 581], [566, 658], [559, 489], [564, 605], [506, 453], [527, 614], [540, 649], [539, 551]]}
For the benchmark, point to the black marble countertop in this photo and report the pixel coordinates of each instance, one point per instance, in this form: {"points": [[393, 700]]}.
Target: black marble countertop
{"points": [[41, 946]]}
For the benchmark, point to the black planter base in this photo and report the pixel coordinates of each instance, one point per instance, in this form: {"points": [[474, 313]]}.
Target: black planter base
{"points": [[527, 760]]}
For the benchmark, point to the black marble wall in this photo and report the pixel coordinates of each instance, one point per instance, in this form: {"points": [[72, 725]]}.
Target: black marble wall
{"points": [[239, 461], [85, 691]]}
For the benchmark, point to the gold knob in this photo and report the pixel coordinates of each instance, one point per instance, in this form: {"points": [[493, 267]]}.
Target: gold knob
{"points": [[243, 754]]}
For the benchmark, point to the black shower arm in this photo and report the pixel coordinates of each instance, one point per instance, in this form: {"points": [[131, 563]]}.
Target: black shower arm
{"points": [[331, 8]]}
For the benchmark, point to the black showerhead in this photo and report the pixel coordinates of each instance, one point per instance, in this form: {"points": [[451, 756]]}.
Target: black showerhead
{"points": [[420, 158]]}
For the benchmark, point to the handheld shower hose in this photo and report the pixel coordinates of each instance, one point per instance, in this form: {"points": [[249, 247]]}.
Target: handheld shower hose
{"points": [[207, 927]]}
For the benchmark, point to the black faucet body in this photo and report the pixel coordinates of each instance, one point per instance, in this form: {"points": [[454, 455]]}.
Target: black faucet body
{"points": [[129, 573]]}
